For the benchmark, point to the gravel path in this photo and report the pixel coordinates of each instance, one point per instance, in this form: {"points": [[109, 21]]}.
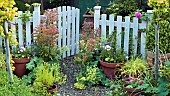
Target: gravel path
{"points": [[68, 89]]}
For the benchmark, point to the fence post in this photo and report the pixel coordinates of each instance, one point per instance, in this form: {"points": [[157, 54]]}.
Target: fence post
{"points": [[36, 16], [96, 16]]}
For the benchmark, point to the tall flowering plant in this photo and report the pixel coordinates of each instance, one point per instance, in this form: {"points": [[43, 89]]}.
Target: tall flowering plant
{"points": [[89, 43], [46, 36]]}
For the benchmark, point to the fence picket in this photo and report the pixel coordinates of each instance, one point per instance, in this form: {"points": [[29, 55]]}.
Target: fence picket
{"points": [[68, 19], [143, 40], [28, 33], [68, 29], [119, 24], [103, 26], [73, 32], [135, 35], [119, 30], [64, 29], [20, 31], [77, 29], [59, 26], [126, 35], [111, 24]]}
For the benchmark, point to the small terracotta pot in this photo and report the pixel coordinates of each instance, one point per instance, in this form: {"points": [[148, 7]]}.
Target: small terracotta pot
{"points": [[20, 66], [132, 92], [53, 89], [110, 68]]}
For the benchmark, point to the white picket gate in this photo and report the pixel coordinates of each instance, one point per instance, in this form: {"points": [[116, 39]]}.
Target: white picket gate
{"points": [[101, 22], [68, 26]]}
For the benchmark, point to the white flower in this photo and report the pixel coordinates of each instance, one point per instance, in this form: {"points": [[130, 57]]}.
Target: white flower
{"points": [[107, 47], [22, 49]]}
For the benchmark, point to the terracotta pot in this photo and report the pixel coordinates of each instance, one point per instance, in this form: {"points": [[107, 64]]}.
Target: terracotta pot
{"points": [[110, 68], [20, 66], [52, 89], [132, 92]]}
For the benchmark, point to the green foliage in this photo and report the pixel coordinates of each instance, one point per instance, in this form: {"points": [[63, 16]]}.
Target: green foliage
{"points": [[47, 74], [44, 76], [161, 16], [17, 88], [32, 65], [26, 15], [134, 67], [122, 7], [91, 75], [2, 60], [162, 87], [116, 88]]}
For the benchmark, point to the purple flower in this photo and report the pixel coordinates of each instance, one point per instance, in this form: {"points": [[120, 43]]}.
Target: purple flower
{"points": [[138, 14]]}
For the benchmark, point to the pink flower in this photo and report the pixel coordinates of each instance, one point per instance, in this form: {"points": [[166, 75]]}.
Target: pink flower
{"points": [[141, 82], [131, 79], [138, 14]]}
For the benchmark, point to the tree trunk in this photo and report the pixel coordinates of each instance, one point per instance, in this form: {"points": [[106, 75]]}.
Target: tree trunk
{"points": [[8, 55]]}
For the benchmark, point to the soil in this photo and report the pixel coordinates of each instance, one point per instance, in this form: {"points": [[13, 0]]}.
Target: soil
{"points": [[67, 89]]}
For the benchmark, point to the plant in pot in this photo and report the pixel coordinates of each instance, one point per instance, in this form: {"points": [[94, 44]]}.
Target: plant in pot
{"points": [[21, 56], [134, 67], [132, 72], [47, 75], [131, 86], [111, 58]]}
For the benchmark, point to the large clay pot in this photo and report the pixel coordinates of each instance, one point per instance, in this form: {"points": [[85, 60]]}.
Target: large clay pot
{"points": [[132, 92], [20, 66], [110, 68], [52, 89]]}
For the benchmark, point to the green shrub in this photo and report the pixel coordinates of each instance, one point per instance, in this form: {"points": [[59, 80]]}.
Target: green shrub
{"points": [[18, 88]]}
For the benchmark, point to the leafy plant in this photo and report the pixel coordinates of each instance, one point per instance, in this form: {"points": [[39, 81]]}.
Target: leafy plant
{"points": [[46, 36], [46, 75], [89, 44], [22, 52], [161, 16], [110, 53], [26, 15], [134, 82], [122, 7], [91, 75], [2, 60], [116, 88], [134, 67], [14, 89]]}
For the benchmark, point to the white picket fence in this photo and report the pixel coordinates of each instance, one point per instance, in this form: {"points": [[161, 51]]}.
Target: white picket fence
{"points": [[68, 26], [101, 22]]}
